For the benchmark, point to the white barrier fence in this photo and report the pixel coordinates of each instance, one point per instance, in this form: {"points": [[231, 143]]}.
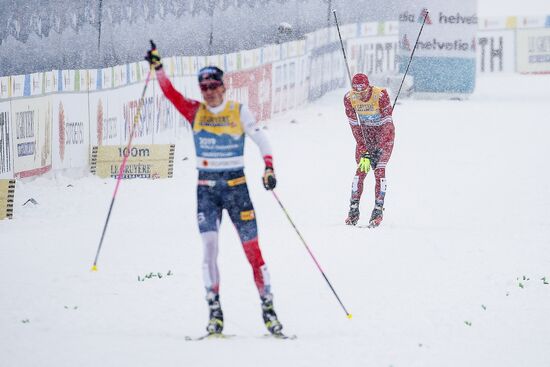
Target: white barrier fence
{"points": [[50, 121]]}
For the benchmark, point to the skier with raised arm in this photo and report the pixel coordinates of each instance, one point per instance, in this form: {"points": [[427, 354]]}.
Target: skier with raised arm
{"points": [[219, 127]]}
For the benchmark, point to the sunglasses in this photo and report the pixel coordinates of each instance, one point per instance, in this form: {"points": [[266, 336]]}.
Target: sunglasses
{"points": [[206, 86]]}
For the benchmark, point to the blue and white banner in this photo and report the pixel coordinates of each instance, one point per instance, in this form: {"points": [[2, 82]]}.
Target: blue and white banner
{"points": [[445, 57]]}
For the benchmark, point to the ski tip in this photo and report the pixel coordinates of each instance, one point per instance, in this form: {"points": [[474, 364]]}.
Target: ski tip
{"points": [[350, 316], [94, 268]]}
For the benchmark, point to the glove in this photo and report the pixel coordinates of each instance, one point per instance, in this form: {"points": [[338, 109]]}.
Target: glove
{"points": [[364, 162], [269, 179], [153, 56]]}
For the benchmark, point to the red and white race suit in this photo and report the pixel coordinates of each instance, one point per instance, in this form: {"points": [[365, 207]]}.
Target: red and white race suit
{"points": [[370, 118]]}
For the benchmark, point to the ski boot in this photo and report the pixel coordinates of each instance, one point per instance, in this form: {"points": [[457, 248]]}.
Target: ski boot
{"points": [[271, 321], [376, 216], [353, 215], [215, 324]]}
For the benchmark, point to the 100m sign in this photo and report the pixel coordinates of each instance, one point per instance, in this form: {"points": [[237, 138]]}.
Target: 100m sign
{"points": [[143, 161], [134, 152]]}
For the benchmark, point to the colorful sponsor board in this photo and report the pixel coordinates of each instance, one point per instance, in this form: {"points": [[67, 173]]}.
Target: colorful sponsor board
{"points": [[6, 150], [533, 50], [445, 55], [31, 132], [496, 51], [252, 87], [7, 192], [71, 131], [144, 161]]}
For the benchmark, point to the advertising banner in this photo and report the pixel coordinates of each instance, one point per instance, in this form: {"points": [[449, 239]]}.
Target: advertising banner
{"points": [[17, 86], [37, 84], [7, 191], [445, 58], [70, 80], [231, 63], [49, 82], [289, 87], [106, 120], [348, 31], [5, 87], [533, 50], [129, 99], [112, 114], [492, 23], [373, 55], [368, 29], [252, 87], [120, 75], [32, 132], [270, 53], [326, 70], [6, 150], [168, 122], [144, 161], [531, 22], [71, 131], [496, 51]]}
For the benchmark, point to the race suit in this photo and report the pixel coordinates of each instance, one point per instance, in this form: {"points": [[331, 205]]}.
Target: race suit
{"points": [[373, 133], [219, 135]]}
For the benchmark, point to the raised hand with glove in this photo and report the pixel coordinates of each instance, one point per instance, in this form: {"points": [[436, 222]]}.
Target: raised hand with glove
{"points": [[153, 56]]}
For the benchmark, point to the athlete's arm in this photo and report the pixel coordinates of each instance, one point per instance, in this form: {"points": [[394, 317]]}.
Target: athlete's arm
{"points": [[385, 107], [354, 124], [186, 106], [257, 135]]}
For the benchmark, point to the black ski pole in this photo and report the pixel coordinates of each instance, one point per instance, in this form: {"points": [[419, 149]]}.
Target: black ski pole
{"points": [[311, 253], [349, 72], [410, 59], [122, 166]]}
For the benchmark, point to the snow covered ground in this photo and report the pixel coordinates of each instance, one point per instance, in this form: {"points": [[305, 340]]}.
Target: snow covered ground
{"points": [[456, 275]]}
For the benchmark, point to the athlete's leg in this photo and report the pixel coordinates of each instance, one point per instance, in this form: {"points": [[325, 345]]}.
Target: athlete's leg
{"points": [[242, 214], [358, 179], [385, 147], [209, 213]]}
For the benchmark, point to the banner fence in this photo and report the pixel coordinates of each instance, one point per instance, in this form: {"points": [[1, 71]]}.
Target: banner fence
{"points": [[50, 121]]}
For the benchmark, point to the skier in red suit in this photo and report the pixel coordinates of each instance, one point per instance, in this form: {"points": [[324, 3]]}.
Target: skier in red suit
{"points": [[369, 113]]}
